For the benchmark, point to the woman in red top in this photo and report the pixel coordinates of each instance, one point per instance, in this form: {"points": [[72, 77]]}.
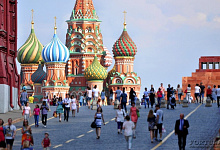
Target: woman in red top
{"points": [[134, 117], [2, 135], [159, 96], [209, 92]]}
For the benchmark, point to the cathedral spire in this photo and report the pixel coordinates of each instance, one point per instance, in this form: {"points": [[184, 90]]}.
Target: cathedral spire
{"points": [[55, 26], [32, 22], [125, 24]]}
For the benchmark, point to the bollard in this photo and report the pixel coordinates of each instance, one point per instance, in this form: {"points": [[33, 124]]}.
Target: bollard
{"points": [[138, 104], [163, 105], [116, 103], [185, 103], [208, 102]]}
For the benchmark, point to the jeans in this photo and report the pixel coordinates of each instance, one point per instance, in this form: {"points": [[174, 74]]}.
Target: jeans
{"points": [[201, 97], [118, 98], [44, 119], [123, 106], [188, 95], [159, 100], [129, 141], [196, 96], [179, 96], [26, 116], [36, 118], [66, 113], [80, 103], [120, 124], [146, 102]]}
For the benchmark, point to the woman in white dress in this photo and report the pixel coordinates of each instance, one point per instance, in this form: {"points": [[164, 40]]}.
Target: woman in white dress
{"points": [[73, 105]]}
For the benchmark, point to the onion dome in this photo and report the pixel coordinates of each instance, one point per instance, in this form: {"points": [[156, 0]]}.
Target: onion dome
{"points": [[55, 51], [107, 57], [95, 71], [30, 51], [39, 75]]}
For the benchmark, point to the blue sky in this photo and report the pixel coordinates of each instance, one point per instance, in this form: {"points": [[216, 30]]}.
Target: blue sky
{"points": [[170, 35]]}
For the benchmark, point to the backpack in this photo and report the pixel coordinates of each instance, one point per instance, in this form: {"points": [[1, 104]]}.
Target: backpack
{"points": [[173, 100]]}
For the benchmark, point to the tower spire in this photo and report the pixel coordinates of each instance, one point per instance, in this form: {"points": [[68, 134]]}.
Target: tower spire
{"points": [[55, 27], [32, 22], [125, 20]]}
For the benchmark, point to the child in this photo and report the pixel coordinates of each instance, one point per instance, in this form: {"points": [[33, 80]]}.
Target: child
{"points": [[36, 113], [26, 143], [46, 142], [128, 126]]}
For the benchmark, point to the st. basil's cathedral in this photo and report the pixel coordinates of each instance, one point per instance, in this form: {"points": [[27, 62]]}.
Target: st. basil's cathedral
{"points": [[81, 62]]}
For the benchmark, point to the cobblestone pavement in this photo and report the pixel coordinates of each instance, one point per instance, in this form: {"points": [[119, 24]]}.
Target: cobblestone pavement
{"points": [[77, 134]]}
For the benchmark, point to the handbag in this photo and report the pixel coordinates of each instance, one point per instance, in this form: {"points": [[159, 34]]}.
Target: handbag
{"points": [[23, 112], [93, 125], [138, 114], [55, 114]]}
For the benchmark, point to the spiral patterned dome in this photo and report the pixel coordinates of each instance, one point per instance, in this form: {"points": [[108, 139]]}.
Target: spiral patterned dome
{"points": [[39, 75], [124, 46], [95, 71], [107, 57], [30, 51], [55, 51]]}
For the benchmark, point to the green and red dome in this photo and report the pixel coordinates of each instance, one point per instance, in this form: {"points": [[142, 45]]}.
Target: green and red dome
{"points": [[124, 46]]}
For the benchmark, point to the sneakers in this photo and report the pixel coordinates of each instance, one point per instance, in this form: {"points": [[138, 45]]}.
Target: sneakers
{"points": [[45, 126], [159, 140]]}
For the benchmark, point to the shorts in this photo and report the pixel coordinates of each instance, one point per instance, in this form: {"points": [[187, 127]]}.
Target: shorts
{"points": [[202, 95], [2, 144], [159, 127], [10, 141]]}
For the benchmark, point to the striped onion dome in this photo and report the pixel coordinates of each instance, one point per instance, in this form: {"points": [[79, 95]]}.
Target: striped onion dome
{"points": [[107, 57], [95, 71], [124, 46], [39, 75], [55, 51], [30, 51]]}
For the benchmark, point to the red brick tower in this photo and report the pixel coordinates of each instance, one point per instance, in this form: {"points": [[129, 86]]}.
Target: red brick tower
{"points": [[9, 77], [83, 39]]}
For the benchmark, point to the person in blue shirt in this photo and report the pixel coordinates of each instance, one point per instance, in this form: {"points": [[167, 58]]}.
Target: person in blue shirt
{"points": [[81, 100], [124, 100]]}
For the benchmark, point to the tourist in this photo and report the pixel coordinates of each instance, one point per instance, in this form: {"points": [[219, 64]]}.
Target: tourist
{"points": [[209, 93], [188, 92], [31, 99], [111, 96], [202, 92], [27, 143], [2, 135], [54, 100], [99, 103], [10, 134], [66, 102], [120, 115], [59, 107], [218, 95], [151, 119], [181, 129], [95, 93], [73, 103], [159, 96], [27, 111], [46, 144], [152, 96], [81, 99], [162, 89], [159, 121], [85, 98], [124, 100], [44, 108], [180, 93], [197, 92], [132, 95], [99, 117], [146, 98], [128, 126], [24, 97], [26, 132], [134, 117], [89, 94], [36, 113], [169, 93], [214, 96], [118, 94], [103, 97]]}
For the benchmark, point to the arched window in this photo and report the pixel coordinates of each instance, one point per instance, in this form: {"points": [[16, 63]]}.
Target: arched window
{"points": [[77, 49]]}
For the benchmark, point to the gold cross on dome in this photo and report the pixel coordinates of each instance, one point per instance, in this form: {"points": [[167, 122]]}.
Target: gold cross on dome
{"points": [[125, 19], [55, 27], [32, 22]]}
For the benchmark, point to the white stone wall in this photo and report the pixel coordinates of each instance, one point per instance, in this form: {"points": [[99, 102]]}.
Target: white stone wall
{"points": [[5, 98]]}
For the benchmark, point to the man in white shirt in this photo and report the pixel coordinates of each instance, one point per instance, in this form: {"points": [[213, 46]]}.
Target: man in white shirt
{"points": [[197, 92], [146, 97], [95, 93], [10, 134], [66, 102]]}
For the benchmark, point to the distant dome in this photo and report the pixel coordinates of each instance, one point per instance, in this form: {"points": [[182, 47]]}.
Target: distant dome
{"points": [[124, 46], [95, 71], [55, 51], [30, 51], [107, 62], [39, 75]]}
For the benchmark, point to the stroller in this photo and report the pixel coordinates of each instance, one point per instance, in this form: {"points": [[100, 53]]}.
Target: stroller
{"points": [[172, 101]]}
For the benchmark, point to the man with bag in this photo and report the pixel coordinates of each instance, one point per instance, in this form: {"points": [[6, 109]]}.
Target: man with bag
{"points": [[181, 129], [124, 100]]}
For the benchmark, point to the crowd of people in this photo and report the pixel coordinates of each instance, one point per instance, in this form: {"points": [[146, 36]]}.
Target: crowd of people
{"points": [[126, 120]]}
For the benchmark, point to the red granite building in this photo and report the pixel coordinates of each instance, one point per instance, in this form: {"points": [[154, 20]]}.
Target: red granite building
{"points": [[9, 77]]}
